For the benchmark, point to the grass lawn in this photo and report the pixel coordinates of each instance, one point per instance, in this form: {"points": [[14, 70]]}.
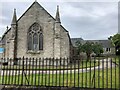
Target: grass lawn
{"points": [[107, 78], [116, 60]]}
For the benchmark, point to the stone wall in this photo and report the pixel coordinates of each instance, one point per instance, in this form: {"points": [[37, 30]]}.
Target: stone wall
{"points": [[111, 52]]}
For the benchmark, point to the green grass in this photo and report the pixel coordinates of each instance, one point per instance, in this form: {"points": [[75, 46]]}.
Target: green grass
{"points": [[116, 60], [71, 80]]}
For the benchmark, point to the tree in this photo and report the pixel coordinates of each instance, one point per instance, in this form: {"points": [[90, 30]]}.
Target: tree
{"points": [[97, 49], [79, 47], [116, 40], [88, 49]]}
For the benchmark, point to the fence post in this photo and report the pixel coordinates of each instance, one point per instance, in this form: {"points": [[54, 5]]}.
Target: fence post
{"points": [[119, 70], [93, 78], [22, 70]]}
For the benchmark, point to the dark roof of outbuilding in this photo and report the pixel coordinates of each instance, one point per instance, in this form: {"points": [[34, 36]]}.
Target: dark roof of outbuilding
{"points": [[74, 40], [104, 43]]}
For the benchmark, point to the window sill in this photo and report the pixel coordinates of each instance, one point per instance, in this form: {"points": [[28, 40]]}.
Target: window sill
{"points": [[34, 52]]}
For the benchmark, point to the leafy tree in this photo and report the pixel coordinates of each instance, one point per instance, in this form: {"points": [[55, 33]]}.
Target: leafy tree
{"points": [[88, 49], [79, 47], [116, 40], [97, 49]]}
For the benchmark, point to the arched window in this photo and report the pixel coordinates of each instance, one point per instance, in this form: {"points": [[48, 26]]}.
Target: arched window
{"points": [[35, 38]]}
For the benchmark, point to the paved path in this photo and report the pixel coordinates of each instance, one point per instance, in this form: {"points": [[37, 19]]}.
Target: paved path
{"points": [[1, 87], [104, 64]]}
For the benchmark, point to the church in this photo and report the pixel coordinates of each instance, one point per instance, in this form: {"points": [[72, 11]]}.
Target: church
{"points": [[36, 34]]}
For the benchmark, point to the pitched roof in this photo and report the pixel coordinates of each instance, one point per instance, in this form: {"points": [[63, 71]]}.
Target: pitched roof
{"points": [[31, 6], [104, 43], [74, 40]]}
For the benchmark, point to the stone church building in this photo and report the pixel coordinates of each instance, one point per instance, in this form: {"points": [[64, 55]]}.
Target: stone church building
{"points": [[36, 34]]}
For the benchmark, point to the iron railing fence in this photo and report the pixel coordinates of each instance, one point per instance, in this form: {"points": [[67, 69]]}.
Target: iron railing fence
{"points": [[61, 72]]}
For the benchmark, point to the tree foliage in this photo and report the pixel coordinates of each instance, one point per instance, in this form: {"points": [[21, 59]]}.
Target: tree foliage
{"points": [[116, 40], [97, 49], [79, 47], [89, 48]]}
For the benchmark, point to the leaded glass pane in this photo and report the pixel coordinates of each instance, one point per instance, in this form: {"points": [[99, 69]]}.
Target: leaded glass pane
{"points": [[35, 41], [41, 41], [29, 42]]}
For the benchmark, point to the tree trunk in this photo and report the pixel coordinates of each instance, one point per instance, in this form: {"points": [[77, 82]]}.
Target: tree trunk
{"points": [[88, 57]]}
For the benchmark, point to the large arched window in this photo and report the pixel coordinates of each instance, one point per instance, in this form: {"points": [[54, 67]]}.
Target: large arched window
{"points": [[35, 38]]}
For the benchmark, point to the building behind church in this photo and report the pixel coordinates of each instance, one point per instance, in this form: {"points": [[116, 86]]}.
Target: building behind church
{"points": [[108, 47]]}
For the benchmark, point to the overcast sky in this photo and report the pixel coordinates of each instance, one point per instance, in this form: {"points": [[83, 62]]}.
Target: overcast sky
{"points": [[89, 20]]}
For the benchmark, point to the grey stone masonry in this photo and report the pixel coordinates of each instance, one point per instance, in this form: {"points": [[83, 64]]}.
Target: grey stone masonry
{"points": [[56, 40]]}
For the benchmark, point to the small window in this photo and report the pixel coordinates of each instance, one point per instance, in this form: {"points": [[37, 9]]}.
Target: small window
{"points": [[107, 49]]}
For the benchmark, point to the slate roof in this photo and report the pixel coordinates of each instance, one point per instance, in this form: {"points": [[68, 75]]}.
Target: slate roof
{"points": [[104, 43], [74, 40]]}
